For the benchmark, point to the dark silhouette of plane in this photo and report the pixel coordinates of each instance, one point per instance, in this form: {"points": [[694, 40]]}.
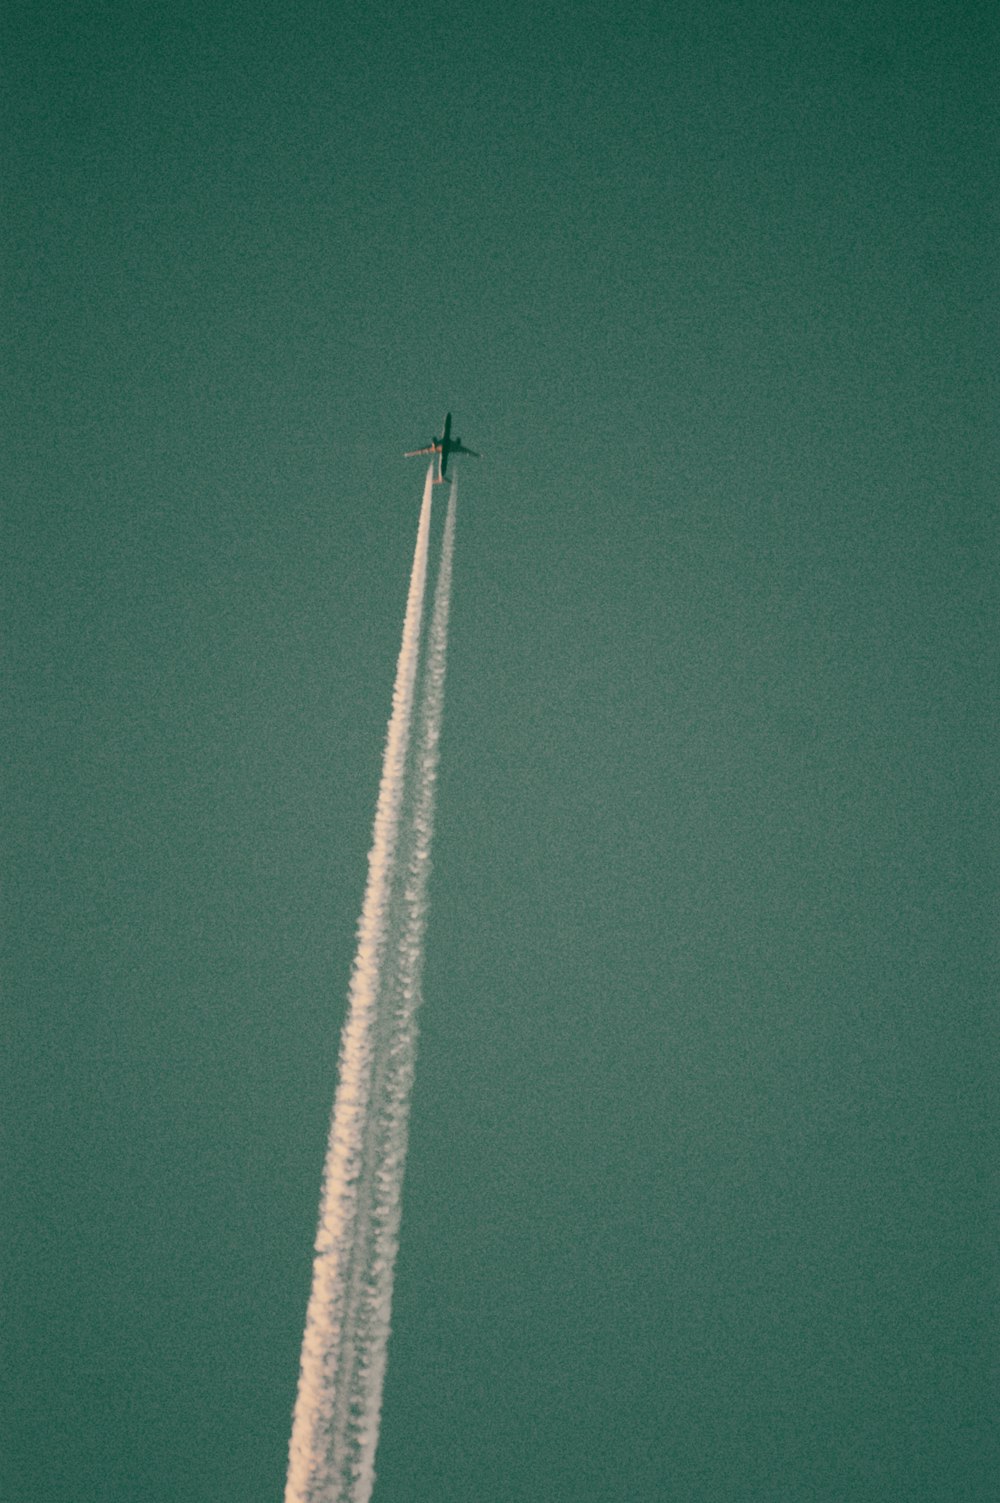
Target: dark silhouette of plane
{"points": [[444, 446]]}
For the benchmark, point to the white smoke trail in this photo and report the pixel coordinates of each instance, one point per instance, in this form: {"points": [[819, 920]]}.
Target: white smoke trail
{"points": [[337, 1412], [405, 997], [327, 1342]]}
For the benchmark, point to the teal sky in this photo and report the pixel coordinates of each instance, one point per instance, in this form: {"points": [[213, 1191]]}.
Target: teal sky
{"points": [[696, 1206]]}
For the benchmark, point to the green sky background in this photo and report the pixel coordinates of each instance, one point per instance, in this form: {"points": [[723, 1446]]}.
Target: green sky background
{"points": [[696, 1206]]}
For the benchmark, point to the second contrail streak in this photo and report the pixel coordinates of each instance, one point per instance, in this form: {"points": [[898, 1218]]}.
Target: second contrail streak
{"points": [[336, 1420], [404, 989]]}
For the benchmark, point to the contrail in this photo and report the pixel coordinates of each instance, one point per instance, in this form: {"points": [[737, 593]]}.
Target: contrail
{"points": [[309, 1469], [405, 992], [336, 1419]]}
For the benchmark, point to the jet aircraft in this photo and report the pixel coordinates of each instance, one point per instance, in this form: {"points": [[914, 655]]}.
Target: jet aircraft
{"points": [[443, 446]]}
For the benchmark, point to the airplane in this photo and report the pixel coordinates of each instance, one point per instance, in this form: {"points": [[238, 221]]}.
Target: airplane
{"points": [[444, 446]]}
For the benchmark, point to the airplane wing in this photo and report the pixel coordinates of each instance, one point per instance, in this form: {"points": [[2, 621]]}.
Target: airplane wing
{"points": [[432, 449]]}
